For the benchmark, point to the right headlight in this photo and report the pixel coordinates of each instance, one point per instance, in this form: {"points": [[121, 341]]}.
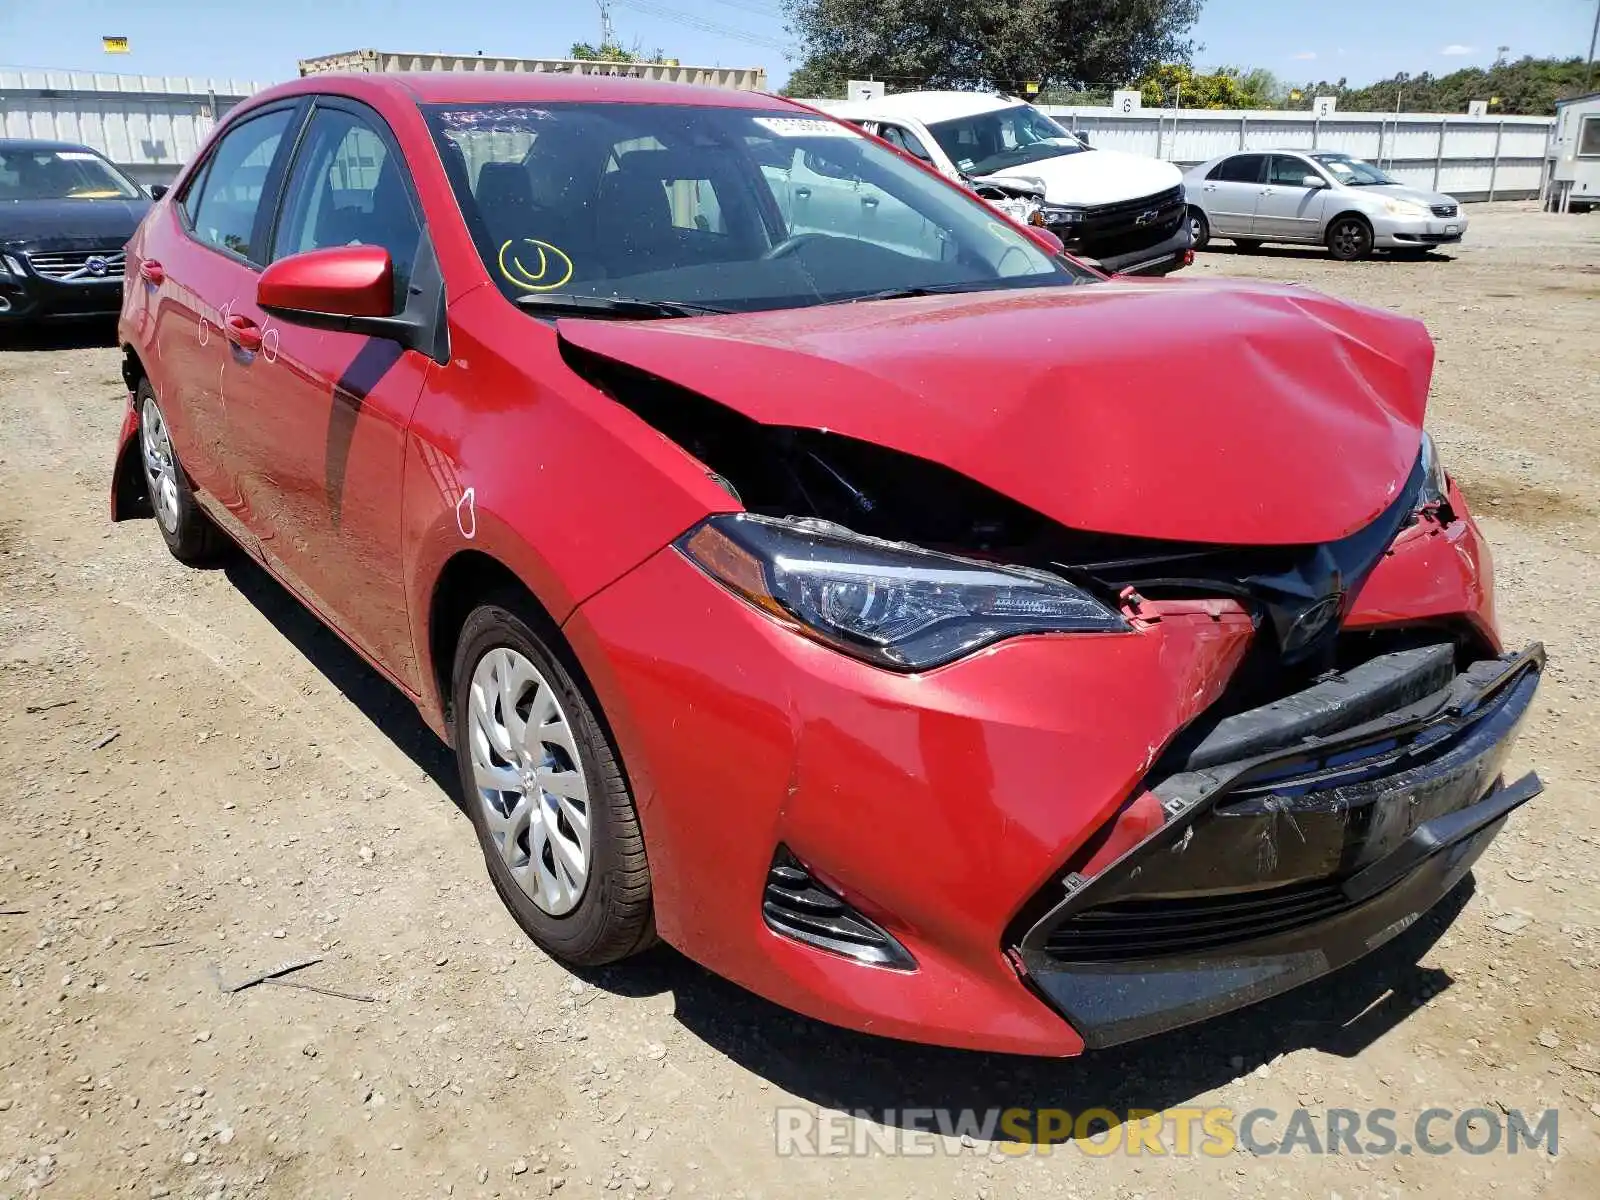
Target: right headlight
{"points": [[893, 605], [1407, 208], [1057, 214]]}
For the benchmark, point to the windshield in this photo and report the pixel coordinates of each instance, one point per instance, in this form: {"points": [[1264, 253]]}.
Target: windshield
{"points": [[61, 175], [725, 208], [1352, 172], [1007, 137]]}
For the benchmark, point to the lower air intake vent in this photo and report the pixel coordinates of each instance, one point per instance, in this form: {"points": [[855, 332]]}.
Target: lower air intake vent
{"points": [[1143, 929], [797, 906]]}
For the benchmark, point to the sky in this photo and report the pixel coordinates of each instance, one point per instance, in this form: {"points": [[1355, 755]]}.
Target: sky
{"points": [[1298, 41]]}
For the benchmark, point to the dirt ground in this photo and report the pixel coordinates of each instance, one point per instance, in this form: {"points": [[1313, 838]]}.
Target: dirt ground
{"points": [[199, 784]]}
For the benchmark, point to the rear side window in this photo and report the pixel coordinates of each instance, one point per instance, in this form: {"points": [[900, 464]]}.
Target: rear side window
{"points": [[230, 193], [347, 189], [1241, 168]]}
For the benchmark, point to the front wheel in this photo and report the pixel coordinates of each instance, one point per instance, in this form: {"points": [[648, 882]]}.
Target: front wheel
{"points": [[546, 794], [1349, 239], [188, 532], [1199, 229]]}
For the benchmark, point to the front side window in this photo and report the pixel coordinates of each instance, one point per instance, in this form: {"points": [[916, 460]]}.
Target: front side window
{"points": [[1289, 172], [232, 187], [1007, 137], [721, 207], [347, 189], [62, 175], [1352, 172]]}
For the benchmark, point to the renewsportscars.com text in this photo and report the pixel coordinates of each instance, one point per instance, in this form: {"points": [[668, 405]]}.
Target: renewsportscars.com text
{"points": [[1176, 1132]]}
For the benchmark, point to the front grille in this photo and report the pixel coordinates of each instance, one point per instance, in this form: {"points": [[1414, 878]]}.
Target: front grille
{"points": [[1140, 929], [1445, 210], [1127, 225], [797, 906], [78, 266]]}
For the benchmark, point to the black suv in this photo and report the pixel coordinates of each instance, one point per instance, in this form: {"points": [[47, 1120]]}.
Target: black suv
{"points": [[65, 214]]}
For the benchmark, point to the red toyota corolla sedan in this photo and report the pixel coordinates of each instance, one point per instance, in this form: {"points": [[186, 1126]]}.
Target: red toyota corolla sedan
{"points": [[818, 572]]}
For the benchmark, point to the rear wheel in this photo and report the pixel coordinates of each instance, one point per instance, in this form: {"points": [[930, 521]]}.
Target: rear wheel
{"points": [[1199, 229], [188, 532], [1349, 239], [552, 810]]}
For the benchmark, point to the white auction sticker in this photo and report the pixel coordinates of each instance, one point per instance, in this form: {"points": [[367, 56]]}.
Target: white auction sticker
{"points": [[804, 127]]}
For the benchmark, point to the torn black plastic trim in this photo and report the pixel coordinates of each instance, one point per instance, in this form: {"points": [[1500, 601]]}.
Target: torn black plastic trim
{"points": [[1371, 689], [1256, 883], [1277, 868]]}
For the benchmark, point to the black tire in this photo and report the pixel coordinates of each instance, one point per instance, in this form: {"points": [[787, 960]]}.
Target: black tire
{"points": [[613, 917], [1247, 245], [188, 532], [1199, 228], [1349, 239]]}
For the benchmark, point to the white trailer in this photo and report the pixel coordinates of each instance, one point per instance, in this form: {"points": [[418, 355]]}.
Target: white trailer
{"points": [[1575, 156]]}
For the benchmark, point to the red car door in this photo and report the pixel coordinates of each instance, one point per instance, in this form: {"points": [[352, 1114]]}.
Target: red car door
{"points": [[317, 418], [204, 255]]}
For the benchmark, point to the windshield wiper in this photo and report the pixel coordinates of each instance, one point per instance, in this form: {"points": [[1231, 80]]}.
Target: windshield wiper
{"points": [[906, 293], [575, 304]]}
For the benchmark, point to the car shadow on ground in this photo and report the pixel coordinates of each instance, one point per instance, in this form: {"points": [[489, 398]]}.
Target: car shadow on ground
{"points": [[1340, 1014], [823, 1065], [379, 700], [86, 334], [1226, 248]]}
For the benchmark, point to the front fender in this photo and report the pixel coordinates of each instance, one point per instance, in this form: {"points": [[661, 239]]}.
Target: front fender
{"points": [[512, 455]]}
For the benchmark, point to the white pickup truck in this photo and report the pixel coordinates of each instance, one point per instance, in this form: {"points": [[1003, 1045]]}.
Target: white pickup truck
{"points": [[1123, 212]]}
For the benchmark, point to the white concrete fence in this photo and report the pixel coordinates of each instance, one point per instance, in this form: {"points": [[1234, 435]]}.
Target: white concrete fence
{"points": [[152, 125], [1471, 158]]}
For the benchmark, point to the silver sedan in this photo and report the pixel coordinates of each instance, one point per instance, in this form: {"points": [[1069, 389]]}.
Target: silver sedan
{"points": [[1319, 197]]}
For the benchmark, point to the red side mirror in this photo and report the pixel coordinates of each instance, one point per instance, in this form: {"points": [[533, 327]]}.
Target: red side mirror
{"points": [[343, 281], [1048, 242]]}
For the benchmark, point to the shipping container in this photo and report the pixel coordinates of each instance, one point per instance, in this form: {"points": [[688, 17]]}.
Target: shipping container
{"points": [[383, 62]]}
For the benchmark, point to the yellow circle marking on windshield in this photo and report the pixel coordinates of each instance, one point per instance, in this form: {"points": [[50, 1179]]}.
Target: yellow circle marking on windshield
{"points": [[551, 270]]}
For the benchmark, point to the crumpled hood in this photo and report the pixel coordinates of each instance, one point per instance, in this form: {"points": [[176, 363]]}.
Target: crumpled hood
{"points": [[1097, 176], [1194, 410]]}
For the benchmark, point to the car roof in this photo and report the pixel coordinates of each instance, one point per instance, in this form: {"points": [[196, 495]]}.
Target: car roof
{"points": [[521, 87], [42, 144], [924, 106]]}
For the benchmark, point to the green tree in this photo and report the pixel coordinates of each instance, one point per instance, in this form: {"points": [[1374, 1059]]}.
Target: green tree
{"points": [[817, 78], [616, 54], [990, 44], [1172, 84], [1527, 87]]}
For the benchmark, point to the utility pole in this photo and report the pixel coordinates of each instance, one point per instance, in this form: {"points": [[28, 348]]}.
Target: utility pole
{"points": [[608, 31], [1594, 38]]}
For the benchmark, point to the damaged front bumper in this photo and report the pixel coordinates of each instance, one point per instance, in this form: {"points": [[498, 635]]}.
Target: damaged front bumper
{"points": [[1329, 832]]}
